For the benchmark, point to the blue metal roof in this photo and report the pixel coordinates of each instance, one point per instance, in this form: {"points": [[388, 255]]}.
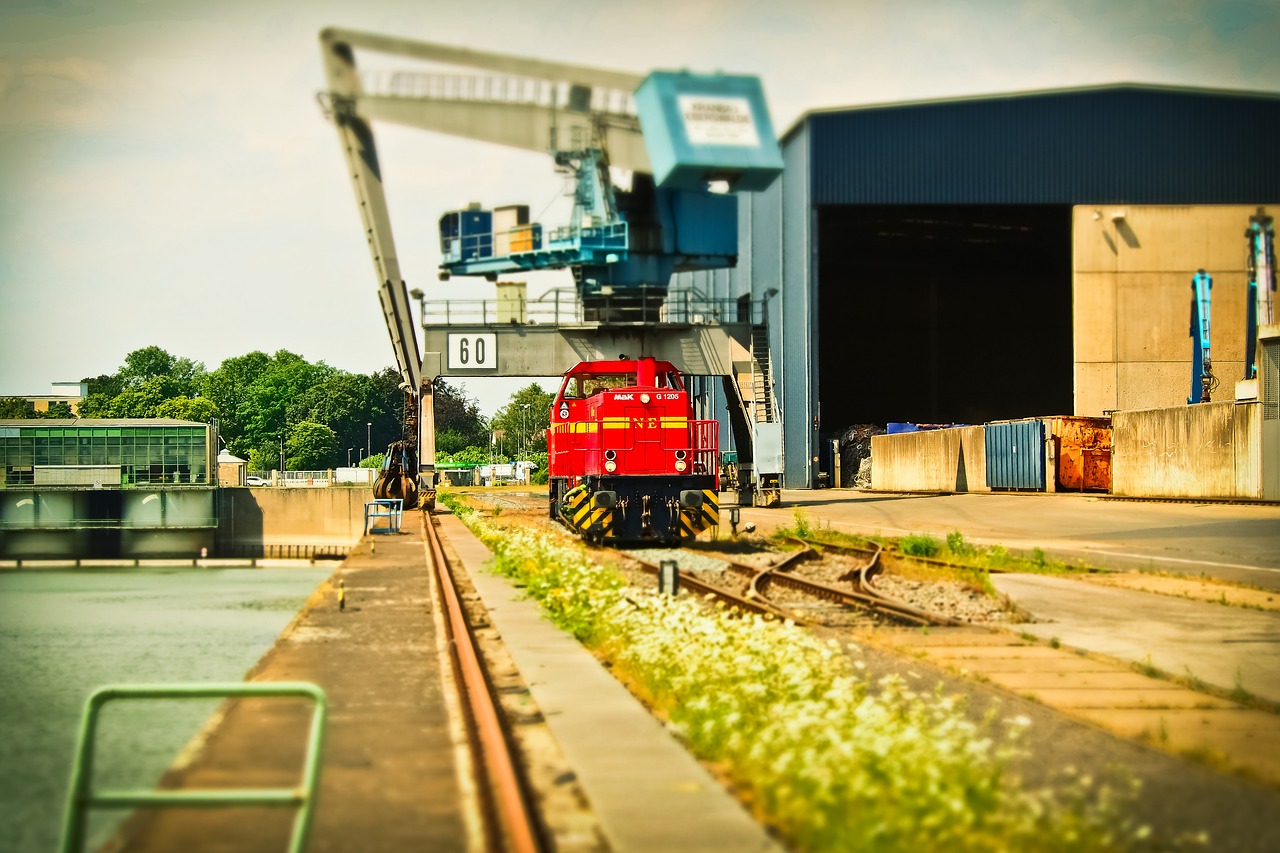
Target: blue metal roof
{"points": [[1116, 144]]}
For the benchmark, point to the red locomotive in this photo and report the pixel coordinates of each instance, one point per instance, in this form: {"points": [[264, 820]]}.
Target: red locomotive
{"points": [[628, 462]]}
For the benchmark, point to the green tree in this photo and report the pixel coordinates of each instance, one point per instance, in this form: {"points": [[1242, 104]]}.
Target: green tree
{"points": [[527, 416], [449, 441], [14, 407], [265, 458], [200, 410], [155, 367], [139, 400], [106, 384], [261, 409], [148, 377], [391, 401], [345, 402], [455, 412], [228, 386], [58, 410], [472, 456], [312, 446], [96, 405]]}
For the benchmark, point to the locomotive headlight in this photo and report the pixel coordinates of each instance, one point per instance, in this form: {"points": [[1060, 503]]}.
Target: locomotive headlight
{"points": [[680, 466], [644, 398], [611, 455], [680, 454], [610, 466]]}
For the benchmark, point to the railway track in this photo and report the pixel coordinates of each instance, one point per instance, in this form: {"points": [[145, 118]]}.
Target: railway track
{"points": [[510, 822], [805, 600]]}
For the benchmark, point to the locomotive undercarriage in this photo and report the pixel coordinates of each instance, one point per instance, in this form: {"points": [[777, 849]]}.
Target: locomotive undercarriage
{"points": [[637, 509]]}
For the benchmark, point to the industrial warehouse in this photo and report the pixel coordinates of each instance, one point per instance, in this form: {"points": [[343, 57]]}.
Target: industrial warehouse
{"points": [[1018, 256]]}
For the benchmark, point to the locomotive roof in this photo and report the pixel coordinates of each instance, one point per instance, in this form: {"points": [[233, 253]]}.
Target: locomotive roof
{"points": [[624, 365]]}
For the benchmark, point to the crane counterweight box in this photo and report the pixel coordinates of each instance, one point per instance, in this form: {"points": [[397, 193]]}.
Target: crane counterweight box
{"points": [[707, 127]]}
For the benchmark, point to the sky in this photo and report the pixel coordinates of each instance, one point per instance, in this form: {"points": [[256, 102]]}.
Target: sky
{"points": [[167, 176]]}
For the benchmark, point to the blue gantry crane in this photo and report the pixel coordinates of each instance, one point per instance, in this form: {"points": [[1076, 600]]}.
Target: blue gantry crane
{"points": [[706, 135], [683, 141]]}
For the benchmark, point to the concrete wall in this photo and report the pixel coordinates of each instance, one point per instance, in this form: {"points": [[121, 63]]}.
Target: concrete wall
{"points": [[1132, 301], [261, 516], [1210, 450], [938, 460]]}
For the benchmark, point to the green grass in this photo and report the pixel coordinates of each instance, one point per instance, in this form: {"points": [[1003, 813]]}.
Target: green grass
{"points": [[830, 759], [919, 545]]}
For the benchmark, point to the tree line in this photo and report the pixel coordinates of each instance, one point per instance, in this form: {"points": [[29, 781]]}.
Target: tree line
{"points": [[312, 414]]}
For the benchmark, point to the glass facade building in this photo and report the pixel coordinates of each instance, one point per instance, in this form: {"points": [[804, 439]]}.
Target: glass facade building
{"points": [[106, 453]]}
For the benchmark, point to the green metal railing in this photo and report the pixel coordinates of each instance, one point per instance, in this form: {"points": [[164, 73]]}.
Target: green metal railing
{"points": [[82, 797]]}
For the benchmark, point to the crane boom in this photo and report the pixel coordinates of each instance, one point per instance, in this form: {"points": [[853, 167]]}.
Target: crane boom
{"points": [[366, 178]]}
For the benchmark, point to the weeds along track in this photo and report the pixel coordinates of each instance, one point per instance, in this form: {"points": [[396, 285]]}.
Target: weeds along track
{"points": [[817, 584]]}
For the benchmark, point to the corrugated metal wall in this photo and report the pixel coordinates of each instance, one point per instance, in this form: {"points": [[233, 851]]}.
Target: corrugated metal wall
{"points": [[1123, 144], [795, 352]]}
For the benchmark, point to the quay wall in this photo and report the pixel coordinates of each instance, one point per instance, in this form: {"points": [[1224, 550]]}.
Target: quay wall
{"points": [[256, 517]]}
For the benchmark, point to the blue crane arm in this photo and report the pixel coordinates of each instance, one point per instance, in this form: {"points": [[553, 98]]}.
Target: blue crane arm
{"points": [[1259, 307], [1202, 379]]}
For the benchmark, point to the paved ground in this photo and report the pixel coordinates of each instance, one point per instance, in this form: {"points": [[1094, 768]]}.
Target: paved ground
{"points": [[389, 781], [1217, 644], [1239, 543]]}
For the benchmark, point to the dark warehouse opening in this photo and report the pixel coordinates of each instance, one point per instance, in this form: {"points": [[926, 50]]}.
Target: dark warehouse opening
{"points": [[943, 314]]}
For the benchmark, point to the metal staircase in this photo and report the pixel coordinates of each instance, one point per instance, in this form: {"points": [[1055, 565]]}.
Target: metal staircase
{"points": [[763, 404], [755, 422]]}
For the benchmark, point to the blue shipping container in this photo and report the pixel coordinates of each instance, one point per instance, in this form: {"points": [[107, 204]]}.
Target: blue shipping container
{"points": [[1015, 455]]}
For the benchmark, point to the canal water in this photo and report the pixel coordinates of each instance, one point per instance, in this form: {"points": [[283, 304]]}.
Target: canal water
{"points": [[64, 633]]}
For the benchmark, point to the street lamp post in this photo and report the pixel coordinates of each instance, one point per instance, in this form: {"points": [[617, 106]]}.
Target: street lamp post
{"points": [[368, 441], [349, 449]]}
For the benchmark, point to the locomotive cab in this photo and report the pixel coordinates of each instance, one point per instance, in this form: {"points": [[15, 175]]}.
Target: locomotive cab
{"points": [[628, 462]]}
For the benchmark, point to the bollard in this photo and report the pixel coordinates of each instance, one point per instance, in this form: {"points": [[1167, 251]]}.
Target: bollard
{"points": [[668, 577]]}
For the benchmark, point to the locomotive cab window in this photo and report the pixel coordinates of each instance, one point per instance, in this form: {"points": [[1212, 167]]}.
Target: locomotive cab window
{"points": [[587, 385]]}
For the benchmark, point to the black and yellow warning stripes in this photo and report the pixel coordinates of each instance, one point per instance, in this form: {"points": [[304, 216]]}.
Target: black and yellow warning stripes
{"points": [[694, 521], [627, 521], [587, 519]]}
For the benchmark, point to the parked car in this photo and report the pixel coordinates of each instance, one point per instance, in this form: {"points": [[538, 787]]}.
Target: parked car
{"points": [[251, 480]]}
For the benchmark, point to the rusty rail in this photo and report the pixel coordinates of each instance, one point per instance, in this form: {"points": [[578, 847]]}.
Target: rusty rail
{"points": [[512, 822], [744, 603]]}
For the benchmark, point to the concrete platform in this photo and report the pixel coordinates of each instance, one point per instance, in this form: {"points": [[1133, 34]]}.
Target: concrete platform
{"points": [[1215, 643], [647, 791], [389, 779]]}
